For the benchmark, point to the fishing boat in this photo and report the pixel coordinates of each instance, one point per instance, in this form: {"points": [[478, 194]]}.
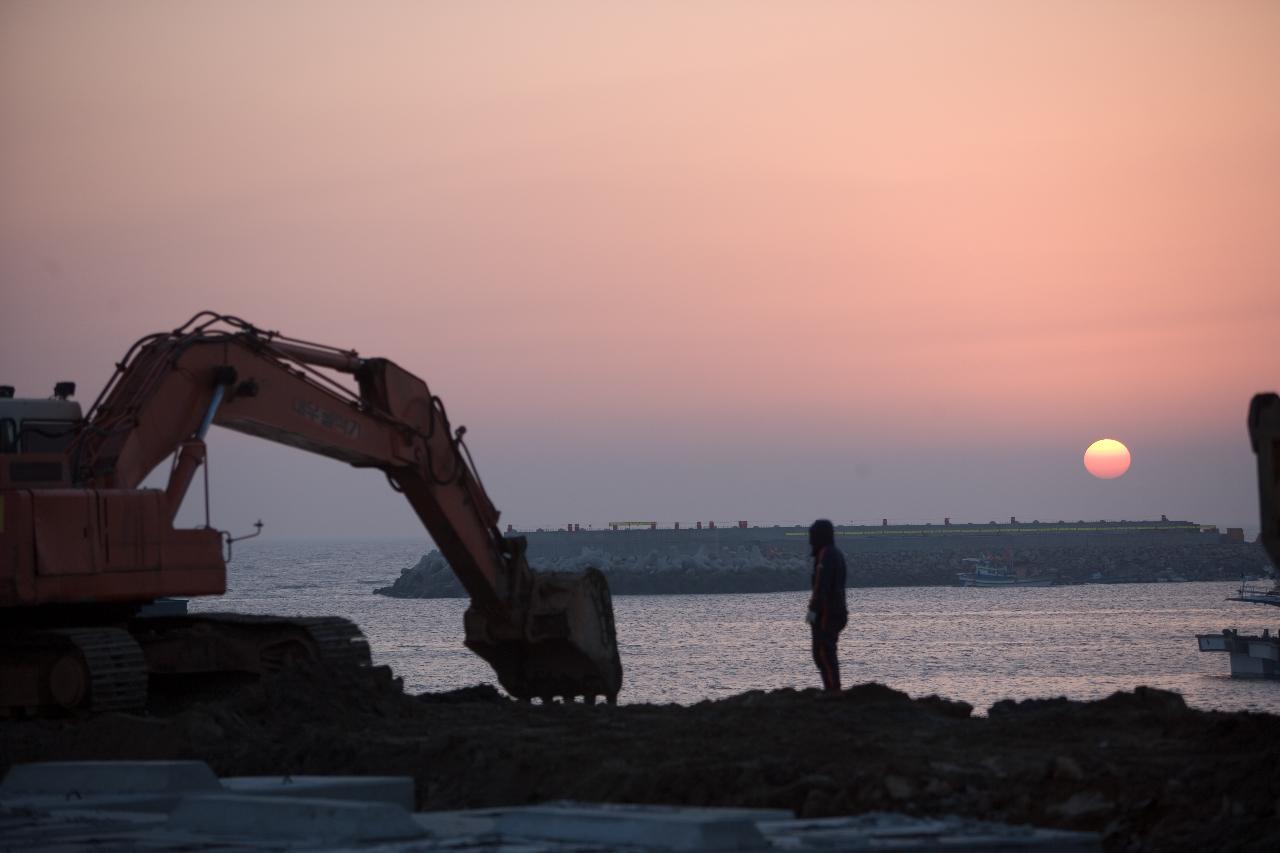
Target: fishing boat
{"points": [[1257, 594], [1252, 656], [980, 571]]}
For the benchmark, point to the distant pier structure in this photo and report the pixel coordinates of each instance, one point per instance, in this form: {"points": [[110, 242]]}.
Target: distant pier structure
{"points": [[620, 537]]}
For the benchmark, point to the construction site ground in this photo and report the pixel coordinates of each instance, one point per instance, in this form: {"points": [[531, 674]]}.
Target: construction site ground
{"points": [[1140, 766]]}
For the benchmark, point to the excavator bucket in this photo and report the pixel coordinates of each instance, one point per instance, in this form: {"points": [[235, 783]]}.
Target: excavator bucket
{"points": [[568, 647]]}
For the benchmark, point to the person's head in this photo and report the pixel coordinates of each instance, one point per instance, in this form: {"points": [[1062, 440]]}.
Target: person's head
{"points": [[822, 534]]}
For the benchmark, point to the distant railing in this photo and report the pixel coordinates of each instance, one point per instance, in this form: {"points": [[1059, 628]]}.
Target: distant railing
{"points": [[952, 529], [928, 528]]}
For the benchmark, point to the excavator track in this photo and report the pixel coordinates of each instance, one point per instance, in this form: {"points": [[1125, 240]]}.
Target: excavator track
{"points": [[338, 642], [61, 670], [116, 668], [108, 668], [249, 643]]}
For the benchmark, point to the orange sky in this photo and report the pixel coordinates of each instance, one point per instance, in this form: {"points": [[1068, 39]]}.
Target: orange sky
{"points": [[712, 260]]}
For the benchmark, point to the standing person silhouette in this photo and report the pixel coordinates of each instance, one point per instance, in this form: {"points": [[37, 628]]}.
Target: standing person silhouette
{"points": [[828, 612]]}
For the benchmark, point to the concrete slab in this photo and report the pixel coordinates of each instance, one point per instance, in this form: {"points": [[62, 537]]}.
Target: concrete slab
{"points": [[176, 807], [292, 818], [128, 804], [904, 834], [79, 832], [397, 790], [476, 830], [460, 823], [83, 779], [652, 827]]}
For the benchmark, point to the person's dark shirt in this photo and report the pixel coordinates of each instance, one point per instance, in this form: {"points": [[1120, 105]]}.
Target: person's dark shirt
{"points": [[828, 581], [828, 599]]}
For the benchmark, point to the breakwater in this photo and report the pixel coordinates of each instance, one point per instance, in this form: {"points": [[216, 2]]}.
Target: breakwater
{"points": [[774, 559]]}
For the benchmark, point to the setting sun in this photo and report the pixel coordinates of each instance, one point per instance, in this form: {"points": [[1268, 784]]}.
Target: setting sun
{"points": [[1107, 459]]}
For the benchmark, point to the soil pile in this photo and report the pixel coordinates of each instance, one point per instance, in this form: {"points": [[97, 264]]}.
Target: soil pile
{"points": [[1140, 767]]}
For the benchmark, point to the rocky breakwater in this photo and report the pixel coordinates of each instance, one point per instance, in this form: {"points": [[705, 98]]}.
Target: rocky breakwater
{"points": [[705, 570], [755, 568], [1135, 562]]}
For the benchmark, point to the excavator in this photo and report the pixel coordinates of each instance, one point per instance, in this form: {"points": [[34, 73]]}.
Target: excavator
{"points": [[85, 549]]}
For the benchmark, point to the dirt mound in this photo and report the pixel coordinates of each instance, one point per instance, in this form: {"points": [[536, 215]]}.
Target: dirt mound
{"points": [[1138, 766]]}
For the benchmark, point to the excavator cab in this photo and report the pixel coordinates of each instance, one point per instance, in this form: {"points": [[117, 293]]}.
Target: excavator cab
{"points": [[38, 425], [34, 435]]}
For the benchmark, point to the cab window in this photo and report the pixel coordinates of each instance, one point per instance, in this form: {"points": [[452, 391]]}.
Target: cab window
{"points": [[46, 436]]}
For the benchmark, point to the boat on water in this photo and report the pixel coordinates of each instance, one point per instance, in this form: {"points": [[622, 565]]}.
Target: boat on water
{"points": [[1258, 655], [1257, 594], [1252, 656], [980, 571]]}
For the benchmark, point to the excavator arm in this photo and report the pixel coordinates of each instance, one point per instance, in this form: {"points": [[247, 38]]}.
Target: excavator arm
{"points": [[1264, 434], [545, 634]]}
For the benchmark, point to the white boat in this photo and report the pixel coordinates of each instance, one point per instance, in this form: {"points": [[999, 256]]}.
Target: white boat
{"points": [[981, 572], [1257, 594], [1252, 656]]}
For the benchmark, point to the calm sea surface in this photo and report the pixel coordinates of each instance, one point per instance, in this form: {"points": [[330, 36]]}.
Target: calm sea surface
{"points": [[978, 645]]}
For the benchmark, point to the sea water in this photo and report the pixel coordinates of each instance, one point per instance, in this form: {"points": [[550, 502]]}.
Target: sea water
{"points": [[976, 645]]}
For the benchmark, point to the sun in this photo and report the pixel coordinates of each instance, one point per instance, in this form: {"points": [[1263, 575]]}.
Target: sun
{"points": [[1107, 459]]}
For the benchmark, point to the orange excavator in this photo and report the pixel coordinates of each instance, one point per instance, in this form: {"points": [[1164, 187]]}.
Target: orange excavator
{"points": [[84, 547]]}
